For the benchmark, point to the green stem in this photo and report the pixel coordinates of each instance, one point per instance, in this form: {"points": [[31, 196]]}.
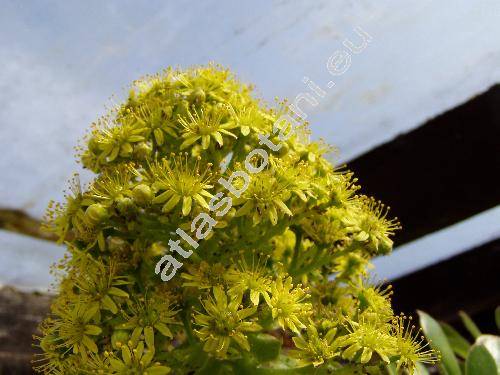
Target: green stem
{"points": [[236, 150], [320, 259], [296, 250], [187, 324]]}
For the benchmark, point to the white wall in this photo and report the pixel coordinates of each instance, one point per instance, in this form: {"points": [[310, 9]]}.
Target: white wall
{"points": [[62, 60]]}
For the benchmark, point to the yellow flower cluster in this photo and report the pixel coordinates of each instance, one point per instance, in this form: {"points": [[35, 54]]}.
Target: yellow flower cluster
{"points": [[178, 162]]}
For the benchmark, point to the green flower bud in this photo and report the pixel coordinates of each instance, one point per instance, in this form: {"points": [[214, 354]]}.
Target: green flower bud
{"points": [[118, 338], [126, 150], [284, 149], [142, 194], [93, 145], [156, 249], [116, 244], [181, 109], [385, 245], [126, 206], [142, 150], [198, 96], [96, 213]]}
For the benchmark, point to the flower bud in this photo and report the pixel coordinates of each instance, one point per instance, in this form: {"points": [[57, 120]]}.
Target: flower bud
{"points": [[126, 150], [142, 150], [118, 338], [125, 206], [96, 213], [142, 194], [284, 149], [156, 249], [385, 245], [116, 244], [197, 96]]}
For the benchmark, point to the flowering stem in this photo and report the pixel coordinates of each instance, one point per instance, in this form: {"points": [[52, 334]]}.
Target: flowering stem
{"points": [[187, 323], [236, 151], [298, 242]]}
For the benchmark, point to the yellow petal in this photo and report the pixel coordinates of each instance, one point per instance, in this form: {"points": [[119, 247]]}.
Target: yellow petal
{"points": [[172, 202], [186, 205]]}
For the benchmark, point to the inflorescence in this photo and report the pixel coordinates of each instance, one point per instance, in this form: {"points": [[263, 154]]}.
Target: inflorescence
{"points": [[257, 295]]}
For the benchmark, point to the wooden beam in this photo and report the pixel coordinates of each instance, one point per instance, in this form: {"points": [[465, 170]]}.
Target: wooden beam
{"points": [[440, 173], [469, 282]]}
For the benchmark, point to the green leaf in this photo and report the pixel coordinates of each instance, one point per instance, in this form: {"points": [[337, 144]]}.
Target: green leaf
{"points": [[438, 341], [469, 324], [158, 370], [117, 292], [492, 344], [109, 304], [421, 369], [459, 344], [150, 337], [283, 365], [480, 362], [391, 369], [212, 367], [92, 330], [264, 347]]}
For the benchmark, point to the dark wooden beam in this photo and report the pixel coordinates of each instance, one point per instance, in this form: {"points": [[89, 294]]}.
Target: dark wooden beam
{"points": [[20, 314], [440, 173], [469, 282]]}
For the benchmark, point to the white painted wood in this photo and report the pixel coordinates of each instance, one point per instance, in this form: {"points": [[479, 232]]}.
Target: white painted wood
{"points": [[61, 61], [439, 246], [26, 261]]}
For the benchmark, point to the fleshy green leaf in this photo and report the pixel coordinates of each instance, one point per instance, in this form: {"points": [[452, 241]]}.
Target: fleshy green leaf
{"points": [[492, 344], [480, 362], [158, 370], [92, 330], [265, 347], [459, 344], [391, 369], [438, 341], [109, 304], [421, 369], [469, 324], [150, 337], [117, 292]]}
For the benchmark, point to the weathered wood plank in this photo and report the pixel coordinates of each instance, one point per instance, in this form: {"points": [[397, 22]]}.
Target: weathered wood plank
{"points": [[20, 314]]}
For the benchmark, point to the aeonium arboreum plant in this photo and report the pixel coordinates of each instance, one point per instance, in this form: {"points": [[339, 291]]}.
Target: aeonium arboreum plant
{"points": [[200, 184]]}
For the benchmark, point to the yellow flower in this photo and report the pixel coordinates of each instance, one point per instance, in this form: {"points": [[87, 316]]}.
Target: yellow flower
{"points": [[74, 330], [351, 265], [264, 199], [312, 348], [204, 125], [100, 285], [112, 141], [288, 304], [178, 180], [112, 184], [136, 360], [410, 345], [157, 118], [148, 315], [60, 218], [370, 225], [204, 275], [224, 322], [374, 301], [250, 118], [296, 175], [367, 338], [249, 278]]}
